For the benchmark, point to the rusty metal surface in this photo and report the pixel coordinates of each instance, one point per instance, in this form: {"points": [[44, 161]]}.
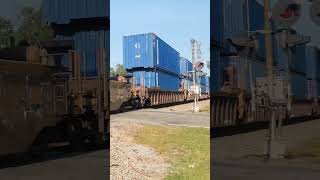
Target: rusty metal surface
{"points": [[27, 105], [226, 110], [120, 92]]}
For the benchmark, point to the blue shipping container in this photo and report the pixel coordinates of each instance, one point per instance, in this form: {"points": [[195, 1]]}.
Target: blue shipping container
{"points": [[185, 66], [203, 80], [218, 63], [312, 62], [87, 43], [166, 82], [299, 86], [233, 14], [298, 60], [258, 69], [204, 89], [149, 51], [63, 11], [229, 18], [318, 63], [207, 82]]}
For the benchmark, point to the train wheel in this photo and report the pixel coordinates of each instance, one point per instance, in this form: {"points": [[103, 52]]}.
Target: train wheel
{"points": [[96, 142], [41, 146], [122, 108], [78, 144]]}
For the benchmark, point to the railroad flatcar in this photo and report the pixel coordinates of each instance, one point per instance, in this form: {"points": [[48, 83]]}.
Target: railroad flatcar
{"points": [[124, 95]]}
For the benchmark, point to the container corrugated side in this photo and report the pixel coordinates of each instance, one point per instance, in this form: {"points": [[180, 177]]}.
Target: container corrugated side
{"points": [[149, 51], [318, 87], [185, 66], [166, 82], [208, 81], [227, 19], [256, 22], [298, 61], [217, 21], [233, 17], [299, 86], [311, 62], [63, 11], [87, 43], [318, 64], [258, 69], [203, 80], [138, 51], [218, 63]]}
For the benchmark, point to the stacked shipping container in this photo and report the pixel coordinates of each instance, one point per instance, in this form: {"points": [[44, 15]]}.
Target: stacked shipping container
{"points": [[225, 22], [186, 82], [154, 78], [185, 69], [86, 22], [66, 11], [227, 19], [149, 51], [156, 64], [150, 58]]}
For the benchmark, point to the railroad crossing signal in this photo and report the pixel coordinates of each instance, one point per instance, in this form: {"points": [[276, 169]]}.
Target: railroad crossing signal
{"points": [[245, 39], [199, 65], [286, 13]]}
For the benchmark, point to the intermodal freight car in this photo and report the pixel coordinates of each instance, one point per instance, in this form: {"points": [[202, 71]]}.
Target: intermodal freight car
{"points": [[233, 106], [128, 95]]}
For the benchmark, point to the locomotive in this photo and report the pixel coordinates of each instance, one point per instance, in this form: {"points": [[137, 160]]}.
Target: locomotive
{"points": [[44, 104]]}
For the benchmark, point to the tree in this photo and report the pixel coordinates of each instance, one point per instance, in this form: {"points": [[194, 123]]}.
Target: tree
{"points": [[112, 73], [6, 32], [31, 29], [120, 70]]}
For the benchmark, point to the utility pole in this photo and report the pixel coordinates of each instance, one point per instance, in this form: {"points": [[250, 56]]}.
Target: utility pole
{"points": [[269, 62], [195, 106]]}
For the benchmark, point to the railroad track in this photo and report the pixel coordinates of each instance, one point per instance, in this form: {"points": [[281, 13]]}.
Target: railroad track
{"points": [[157, 106]]}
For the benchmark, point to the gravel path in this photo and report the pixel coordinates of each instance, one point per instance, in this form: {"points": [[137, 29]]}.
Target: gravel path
{"points": [[133, 161]]}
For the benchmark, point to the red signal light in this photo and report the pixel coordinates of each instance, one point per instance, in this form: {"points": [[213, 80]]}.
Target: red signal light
{"points": [[288, 13]]}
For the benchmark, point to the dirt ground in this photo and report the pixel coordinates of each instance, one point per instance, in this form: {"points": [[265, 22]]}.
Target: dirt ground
{"points": [[133, 161]]}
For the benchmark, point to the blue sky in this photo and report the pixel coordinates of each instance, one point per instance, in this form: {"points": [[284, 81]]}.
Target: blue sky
{"points": [[174, 21]]}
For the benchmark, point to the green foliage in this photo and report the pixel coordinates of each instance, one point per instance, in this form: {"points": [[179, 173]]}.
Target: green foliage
{"points": [[31, 29], [6, 32], [112, 73], [120, 70]]}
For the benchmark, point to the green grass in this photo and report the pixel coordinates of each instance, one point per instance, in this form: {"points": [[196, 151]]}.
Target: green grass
{"points": [[205, 108], [186, 149], [309, 149]]}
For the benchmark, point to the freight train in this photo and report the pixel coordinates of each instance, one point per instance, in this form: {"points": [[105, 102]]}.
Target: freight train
{"points": [[42, 106], [238, 80], [159, 74], [126, 95], [233, 106]]}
